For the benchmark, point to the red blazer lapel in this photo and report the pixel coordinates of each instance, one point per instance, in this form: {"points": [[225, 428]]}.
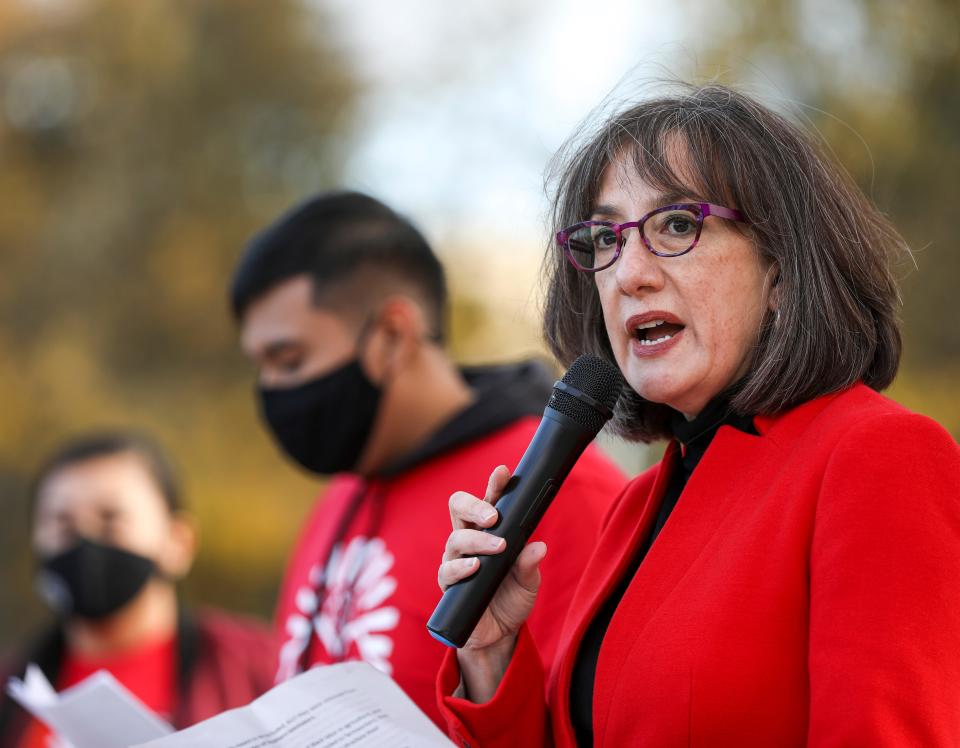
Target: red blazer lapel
{"points": [[621, 537], [693, 523]]}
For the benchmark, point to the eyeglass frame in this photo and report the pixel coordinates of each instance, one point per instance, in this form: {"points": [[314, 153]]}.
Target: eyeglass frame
{"points": [[703, 211]]}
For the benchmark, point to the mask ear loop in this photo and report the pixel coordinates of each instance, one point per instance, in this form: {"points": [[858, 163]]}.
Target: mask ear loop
{"points": [[366, 330], [319, 586], [364, 334], [363, 340]]}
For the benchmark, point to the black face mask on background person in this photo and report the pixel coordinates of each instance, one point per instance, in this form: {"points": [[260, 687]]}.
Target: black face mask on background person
{"points": [[92, 580], [324, 424]]}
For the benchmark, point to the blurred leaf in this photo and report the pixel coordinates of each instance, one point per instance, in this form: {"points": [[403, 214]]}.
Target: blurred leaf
{"points": [[140, 145], [878, 80]]}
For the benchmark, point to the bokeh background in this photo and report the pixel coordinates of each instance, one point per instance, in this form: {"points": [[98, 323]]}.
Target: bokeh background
{"points": [[142, 142]]}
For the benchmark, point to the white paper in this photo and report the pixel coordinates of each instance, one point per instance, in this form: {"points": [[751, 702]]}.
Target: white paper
{"points": [[96, 713], [349, 704], [34, 690]]}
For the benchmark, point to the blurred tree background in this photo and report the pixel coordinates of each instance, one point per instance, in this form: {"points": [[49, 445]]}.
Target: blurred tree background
{"points": [[140, 145], [879, 80], [142, 141]]}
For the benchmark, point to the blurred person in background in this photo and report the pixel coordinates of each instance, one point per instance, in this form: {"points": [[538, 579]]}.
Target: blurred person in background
{"points": [[111, 539], [341, 305], [789, 573]]}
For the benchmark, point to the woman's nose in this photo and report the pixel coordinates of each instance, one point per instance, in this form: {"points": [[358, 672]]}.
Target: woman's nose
{"points": [[637, 268]]}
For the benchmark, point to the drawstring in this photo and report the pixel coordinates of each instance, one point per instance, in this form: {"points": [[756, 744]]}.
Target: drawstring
{"points": [[320, 588], [377, 497]]}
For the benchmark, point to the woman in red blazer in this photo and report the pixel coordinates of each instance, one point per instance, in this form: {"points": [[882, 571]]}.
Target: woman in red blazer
{"points": [[789, 573]]}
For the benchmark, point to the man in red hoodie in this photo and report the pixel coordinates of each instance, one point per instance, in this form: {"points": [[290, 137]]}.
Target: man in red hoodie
{"points": [[341, 306]]}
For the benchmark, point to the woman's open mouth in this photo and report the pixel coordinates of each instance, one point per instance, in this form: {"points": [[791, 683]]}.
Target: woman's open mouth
{"points": [[653, 332]]}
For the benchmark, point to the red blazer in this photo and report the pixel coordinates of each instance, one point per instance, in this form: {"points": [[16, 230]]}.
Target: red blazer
{"points": [[804, 591]]}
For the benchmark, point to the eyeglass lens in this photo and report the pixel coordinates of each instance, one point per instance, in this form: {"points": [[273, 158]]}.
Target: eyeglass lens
{"points": [[668, 232]]}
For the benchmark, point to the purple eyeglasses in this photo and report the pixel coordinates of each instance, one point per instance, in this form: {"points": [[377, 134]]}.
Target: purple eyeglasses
{"points": [[669, 231]]}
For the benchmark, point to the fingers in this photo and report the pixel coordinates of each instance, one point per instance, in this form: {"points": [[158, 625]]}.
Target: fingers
{"points": [[455, 570], [466, 510], [526, 569], [459, 556], [496, 483], [465, 543], [469, 542]]}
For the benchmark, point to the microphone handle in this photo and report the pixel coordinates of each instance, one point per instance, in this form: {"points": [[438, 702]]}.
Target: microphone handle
{"points": [[556, 446]]}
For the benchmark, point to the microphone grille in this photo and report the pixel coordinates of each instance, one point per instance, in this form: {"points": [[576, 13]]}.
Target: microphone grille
{"points": [[596, 378]]}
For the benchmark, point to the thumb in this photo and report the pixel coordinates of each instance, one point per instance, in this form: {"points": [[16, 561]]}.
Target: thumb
{"points": [[526, 570]]}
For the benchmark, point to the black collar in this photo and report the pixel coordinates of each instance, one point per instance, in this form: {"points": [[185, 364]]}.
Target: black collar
{"points": [[695, 436]]}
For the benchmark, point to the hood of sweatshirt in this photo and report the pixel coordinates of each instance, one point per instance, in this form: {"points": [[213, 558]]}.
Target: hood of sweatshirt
{"points": [[502, 395]]}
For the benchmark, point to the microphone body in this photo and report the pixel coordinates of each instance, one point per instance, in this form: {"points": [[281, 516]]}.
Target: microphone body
{"points": [[559, 441]]}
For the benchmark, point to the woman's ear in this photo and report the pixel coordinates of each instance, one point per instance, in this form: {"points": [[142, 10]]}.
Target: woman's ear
{"points": [[772, 282], [181, 548]]}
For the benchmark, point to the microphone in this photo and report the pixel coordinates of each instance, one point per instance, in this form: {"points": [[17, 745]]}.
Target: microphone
{"points": [[581, 403]]}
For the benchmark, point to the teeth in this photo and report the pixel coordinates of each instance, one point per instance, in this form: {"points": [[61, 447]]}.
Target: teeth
{"points": [[651, 323], [654, 342]]}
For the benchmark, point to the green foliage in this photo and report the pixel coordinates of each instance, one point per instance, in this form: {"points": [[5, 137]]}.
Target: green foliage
{"points": [[878, 80], [142, 141], [140, 145]]}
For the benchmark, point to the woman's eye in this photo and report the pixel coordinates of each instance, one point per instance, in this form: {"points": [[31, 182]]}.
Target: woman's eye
{"points": [[604, 240], [679, 224]]}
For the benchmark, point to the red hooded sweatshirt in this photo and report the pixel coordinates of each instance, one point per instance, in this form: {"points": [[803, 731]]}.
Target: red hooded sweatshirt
{"points": [[362, 580]]}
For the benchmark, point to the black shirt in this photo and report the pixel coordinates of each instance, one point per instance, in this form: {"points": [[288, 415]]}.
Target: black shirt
{"points": [[694, 437]]}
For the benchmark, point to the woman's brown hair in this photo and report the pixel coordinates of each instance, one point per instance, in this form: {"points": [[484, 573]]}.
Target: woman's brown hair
{"points": [[837, 300]]}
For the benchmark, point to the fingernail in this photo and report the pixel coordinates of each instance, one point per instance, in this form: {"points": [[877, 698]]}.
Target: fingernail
{"points": [[497, 543], [469, 562], [489, 514]]}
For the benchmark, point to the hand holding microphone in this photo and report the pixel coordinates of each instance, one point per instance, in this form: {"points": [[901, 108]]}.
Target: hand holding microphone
{"points": [[514, 598], [489, 577], [485, 654]]}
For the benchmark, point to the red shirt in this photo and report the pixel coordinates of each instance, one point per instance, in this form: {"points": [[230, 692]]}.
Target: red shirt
{"points": [[222, 661], [376, 568], [148, 672]]}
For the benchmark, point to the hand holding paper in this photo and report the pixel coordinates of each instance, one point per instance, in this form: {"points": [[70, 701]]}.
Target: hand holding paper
{"points": [[97, 713]]}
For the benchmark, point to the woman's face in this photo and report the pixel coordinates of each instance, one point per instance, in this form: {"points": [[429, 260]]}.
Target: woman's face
{"points": [[111, 499], [711, 301]]}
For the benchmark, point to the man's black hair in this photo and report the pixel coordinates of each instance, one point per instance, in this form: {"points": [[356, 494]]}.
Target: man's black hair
{"points": [[106, 444], [336, 238]]}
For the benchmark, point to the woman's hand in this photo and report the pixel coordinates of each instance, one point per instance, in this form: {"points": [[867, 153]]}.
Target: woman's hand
{"points": [[485, 656]]}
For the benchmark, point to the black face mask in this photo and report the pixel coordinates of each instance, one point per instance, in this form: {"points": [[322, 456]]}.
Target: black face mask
{"points": [[325, 423], [92, 580]]}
